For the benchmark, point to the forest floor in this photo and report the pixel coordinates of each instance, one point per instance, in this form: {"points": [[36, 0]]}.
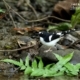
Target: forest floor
{"points": [[20, 22]]}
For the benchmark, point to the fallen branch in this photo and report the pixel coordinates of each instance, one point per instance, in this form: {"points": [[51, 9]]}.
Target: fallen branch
{"points": [[22, 48]]}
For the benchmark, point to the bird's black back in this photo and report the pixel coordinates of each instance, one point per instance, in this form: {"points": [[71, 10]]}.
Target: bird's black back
{"points": [[46, 36]]}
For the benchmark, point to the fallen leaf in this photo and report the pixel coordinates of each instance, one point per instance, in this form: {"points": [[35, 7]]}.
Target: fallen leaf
{"points": [[21, 42], [28, 29], [38, 29], [20, 32], [2, 15]]}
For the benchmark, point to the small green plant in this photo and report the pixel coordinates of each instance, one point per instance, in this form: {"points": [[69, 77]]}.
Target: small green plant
{"points": [[75, 19], [62, 26], [2, 11], [38, 69]]}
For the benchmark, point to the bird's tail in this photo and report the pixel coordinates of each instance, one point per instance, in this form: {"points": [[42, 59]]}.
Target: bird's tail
{"points": [[68, 31]]}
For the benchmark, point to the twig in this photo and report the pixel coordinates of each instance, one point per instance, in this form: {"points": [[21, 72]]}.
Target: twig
{"points": [[22, 48], [8, 9], [18, 15], [33, 10], [8, 6], [38, 20], [28, 3]]}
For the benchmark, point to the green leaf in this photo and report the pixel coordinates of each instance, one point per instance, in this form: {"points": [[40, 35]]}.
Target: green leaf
{"points": [[61, 72], [48, 73], [77, 10], [28, 70], [12, 61], [51, 28], [21, 62], [68, 72], [61, 62], [37, 72], [78, 65], [62, 26], [67, 58], [75, 19], [58, 56], [40, 65], [34, 64], [22, 67], [27, 61], [2, 11], [49, 66], [73, 69]]}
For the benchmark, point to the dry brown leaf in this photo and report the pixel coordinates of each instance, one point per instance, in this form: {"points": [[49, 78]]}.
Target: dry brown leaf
{"points": [[21, 43], [2, 15], [28, 29], [38, 29], [19, 29], [20, 32]]}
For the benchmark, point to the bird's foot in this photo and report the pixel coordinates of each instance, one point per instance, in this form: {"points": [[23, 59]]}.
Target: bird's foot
{"points": [[49, 50]]}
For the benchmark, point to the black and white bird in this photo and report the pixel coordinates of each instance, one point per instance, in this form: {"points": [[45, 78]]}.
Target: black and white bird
{"points": [[51, 39]]}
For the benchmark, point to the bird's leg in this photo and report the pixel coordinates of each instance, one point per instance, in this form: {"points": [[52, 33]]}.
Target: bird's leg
{"points": [[48, 50]]}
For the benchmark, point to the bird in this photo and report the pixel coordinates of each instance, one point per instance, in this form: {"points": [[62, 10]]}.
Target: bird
{"points": [[51, 39]]}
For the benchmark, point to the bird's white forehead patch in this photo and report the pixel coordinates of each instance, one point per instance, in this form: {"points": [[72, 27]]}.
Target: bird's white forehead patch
{"points": [[40, 32]]}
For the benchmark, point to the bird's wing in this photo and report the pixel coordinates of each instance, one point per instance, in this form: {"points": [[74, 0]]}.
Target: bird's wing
{"points": [[47, 37], [55, 36]]}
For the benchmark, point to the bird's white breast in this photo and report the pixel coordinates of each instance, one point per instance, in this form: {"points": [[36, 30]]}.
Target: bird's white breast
{"points": [[51, 43]]}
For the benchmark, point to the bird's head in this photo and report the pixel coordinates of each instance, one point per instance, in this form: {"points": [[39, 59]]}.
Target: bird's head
{"points": [[42, 34]]}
